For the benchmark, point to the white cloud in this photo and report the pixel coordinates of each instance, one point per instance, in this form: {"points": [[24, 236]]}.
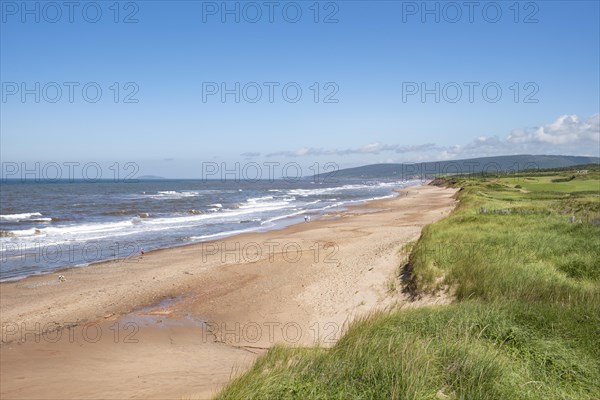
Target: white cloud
{"points": [[567, 130], [568, 135]]}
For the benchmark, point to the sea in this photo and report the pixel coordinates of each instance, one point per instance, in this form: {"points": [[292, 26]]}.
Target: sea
{"points": [[46, 226]]}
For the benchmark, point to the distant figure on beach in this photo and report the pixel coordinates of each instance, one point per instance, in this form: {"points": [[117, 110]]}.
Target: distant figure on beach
{"points": [[142, 252], [306, 218]]}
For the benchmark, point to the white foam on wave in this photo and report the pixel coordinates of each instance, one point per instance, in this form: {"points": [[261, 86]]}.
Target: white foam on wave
{"points": [[349, 202], [35, 216], [266, 203], [341, 189], [323, 191], [103, 230], [89, 231], [171, 194], [259, 199], [271, 220]]}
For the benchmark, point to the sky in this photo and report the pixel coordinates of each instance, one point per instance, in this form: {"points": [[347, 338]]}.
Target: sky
{"points": [[175, 86]]}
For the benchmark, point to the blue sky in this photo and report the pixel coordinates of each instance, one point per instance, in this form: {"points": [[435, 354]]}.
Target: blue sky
{"points": [[369, 60]]}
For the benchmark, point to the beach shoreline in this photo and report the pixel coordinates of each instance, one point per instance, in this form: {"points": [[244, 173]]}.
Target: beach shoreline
{"points": [[133, 248], [217, 304]]}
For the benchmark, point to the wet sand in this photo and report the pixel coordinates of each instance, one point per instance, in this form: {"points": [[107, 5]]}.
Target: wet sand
{"points": [[179, 323]]}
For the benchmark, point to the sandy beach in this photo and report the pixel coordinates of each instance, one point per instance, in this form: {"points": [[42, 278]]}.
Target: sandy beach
{"points": [[180, 322]]}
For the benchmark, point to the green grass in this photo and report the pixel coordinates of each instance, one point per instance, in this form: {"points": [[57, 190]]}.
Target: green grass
{"points": [[525, 323], [564, 183]]}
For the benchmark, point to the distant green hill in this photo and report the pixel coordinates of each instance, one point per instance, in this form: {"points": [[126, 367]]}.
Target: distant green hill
{"points": [[514, 163]]}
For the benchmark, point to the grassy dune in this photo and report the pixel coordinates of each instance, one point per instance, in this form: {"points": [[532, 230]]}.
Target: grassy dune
{"points": [[525, 323]]}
